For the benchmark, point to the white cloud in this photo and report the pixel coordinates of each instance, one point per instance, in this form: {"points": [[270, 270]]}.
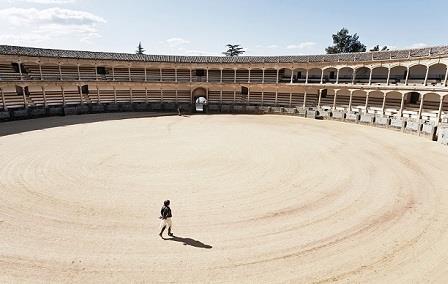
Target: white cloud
{"points": [[48, 2], [302, 45], [176, 41], [25, 26]]}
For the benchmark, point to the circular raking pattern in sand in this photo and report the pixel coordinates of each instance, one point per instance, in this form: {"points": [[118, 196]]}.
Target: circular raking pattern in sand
{"points": [[255, 199]]}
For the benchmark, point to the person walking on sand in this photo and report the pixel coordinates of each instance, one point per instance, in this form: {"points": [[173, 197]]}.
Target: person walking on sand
{"points": [[165, 215]]}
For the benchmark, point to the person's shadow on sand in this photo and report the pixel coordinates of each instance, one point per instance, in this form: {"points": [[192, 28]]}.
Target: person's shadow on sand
{"points": [[189, 242]]}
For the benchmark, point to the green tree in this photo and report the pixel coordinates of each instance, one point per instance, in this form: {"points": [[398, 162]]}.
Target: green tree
{"points": [[233, 50], [377, 48], [343, 42], [140, 49]]}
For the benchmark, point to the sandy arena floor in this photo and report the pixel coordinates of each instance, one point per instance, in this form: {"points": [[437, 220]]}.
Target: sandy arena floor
{"points": [[256, 199]]}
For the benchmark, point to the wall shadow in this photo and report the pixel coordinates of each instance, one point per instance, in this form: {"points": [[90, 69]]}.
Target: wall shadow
{"points": [[189, 242], [19, 126]]}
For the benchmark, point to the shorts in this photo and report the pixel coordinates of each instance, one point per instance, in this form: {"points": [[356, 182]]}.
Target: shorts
{"points": [[166, 223]]}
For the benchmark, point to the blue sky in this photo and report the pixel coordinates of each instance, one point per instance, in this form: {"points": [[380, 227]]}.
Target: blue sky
{"points": [[200, 27]]}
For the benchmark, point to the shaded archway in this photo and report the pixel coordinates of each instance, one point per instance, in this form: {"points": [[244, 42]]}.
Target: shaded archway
{"points": [[379, 75], [430, 106], [392, 103], [314, 75], [330, 75], [417, 74], [284, 75], [397, 75], [256, 75], [436, 74], [270, 75], [345, 75], [299, 75], [214, 75], [342, 99], [362, 75], [242, 75], [228, 75], [375, 102]]}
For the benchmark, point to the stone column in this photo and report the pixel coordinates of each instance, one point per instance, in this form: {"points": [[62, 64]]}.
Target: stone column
{"points": [[420, 109], [44, 94], [221, 77], [98, 95], [115, 95], [276, 96], [320, 96], [304, 99], [206, 74], [388, 76], [20, 70], [439, 115], [80, 94], [146, 76], [306, 80], [146, 95], [446, 77], [160, 75], [220, 95], [290, 99], [402, 104], [191, 75], [370, 76], [337, 76], [367, 101], [25, 103], [60, 72], [3, 99], [42, 77], [113, 73], [131, 95], [248, 96], [63, 95], [353, 76], [262, 96], [96, 73], [383, 107], [292, 76], [129, 73], [262, 79], [234, 76], [350, 101], [335, 98], [407, 77], [248, 80], [322, 77], [175, 75], [277, 74], [426, 76]]}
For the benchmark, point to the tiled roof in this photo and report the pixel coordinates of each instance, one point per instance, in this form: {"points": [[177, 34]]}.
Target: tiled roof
{"points": [[343, 57]]}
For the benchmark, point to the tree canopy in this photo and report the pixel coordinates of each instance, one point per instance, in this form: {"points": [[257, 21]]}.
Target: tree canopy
{"points": [[140, 49], [233, 50], [377, 48], [344, 42]]}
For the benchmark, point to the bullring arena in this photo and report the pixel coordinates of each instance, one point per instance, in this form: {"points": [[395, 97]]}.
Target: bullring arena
{"points": [[305, 169]]}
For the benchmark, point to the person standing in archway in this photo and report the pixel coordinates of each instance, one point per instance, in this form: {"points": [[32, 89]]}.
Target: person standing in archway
{"points": [[165, 215]]}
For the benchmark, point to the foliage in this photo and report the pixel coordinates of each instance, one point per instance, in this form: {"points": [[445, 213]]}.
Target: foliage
{"points": [[343, 42]]}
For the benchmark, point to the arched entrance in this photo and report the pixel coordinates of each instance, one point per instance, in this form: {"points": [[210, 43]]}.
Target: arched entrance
{"points": [[199, 96]]}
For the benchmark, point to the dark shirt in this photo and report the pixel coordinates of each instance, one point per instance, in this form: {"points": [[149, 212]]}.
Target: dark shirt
{"points": [[165, 212]]}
